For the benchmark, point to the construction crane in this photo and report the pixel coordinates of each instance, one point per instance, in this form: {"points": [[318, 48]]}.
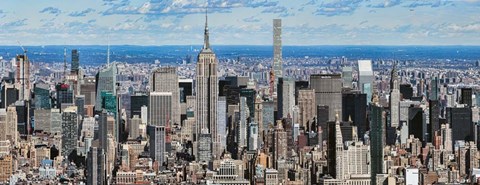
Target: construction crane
{"points": [[24, 50]]}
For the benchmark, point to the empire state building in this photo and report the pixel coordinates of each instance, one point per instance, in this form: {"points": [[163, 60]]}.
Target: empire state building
{"points": [[206, 97]]}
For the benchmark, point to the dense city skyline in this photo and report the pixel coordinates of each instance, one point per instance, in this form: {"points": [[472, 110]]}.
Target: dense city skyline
{"points": [[178, 22], [237, 115]]}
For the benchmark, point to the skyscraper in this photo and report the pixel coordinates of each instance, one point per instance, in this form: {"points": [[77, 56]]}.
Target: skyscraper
{"points": [[394, 98], [102, 133], [157, 143], [134, 130], [136, 103], [9, 95], [354, 109], [286, 97], [206, 89], [338, 150], [165, 79], [87, 88], [222, 126], [466, 96], [243, 124], [434, 117], [434, 89], [160, 108], [69, 130], [96, 163], [377, 140], [347, 77], [279, 143], [253, 136], [75, 61], [365, 78], [106, 80], [416, 123], [328, 91], [308, 109], [460, 120], [22, 77], [268, 114], [42, 96], [258, 118], [277, 49], [64, 94], [3, 125]]}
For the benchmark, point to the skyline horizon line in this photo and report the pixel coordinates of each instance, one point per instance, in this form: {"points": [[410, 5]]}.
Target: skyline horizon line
{"points": [[222, 45]]}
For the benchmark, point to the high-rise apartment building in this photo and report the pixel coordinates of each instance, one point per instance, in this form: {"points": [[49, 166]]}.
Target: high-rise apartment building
{"points": [[277, 50], [69, 130], [22, 77]]}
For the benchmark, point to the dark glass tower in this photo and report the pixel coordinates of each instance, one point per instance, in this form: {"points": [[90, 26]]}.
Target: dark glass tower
{"points": [[377, 140], [75, 61], [354, 109]]}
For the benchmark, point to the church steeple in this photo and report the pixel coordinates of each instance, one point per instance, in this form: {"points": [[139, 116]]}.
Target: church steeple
{"points": [[206, 42]]}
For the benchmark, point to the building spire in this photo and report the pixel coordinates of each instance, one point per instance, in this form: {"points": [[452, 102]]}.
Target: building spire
{"points": [[206, 44], [64, 64]]}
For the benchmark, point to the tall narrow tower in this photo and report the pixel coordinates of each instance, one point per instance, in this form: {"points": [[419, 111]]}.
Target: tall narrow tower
{"points": [[394, 97], [22, 76], [206, 90], [277, 50], [338, 149]]}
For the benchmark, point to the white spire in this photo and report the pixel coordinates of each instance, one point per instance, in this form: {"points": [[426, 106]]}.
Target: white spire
{"points": [[64, 64], [206, 43]]}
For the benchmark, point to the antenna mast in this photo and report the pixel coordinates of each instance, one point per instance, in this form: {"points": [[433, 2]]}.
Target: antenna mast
{"points": [[64, 64]]}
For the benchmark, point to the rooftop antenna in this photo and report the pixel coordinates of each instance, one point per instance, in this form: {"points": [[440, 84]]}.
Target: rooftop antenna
{"points": [[206, 44], [64, 64]]}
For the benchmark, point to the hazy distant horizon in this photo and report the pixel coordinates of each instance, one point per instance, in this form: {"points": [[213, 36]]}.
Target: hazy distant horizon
{"points": [[177, 53]]}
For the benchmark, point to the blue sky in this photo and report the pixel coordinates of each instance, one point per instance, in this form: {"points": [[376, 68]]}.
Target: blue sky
{"points": [[181, 22]]}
